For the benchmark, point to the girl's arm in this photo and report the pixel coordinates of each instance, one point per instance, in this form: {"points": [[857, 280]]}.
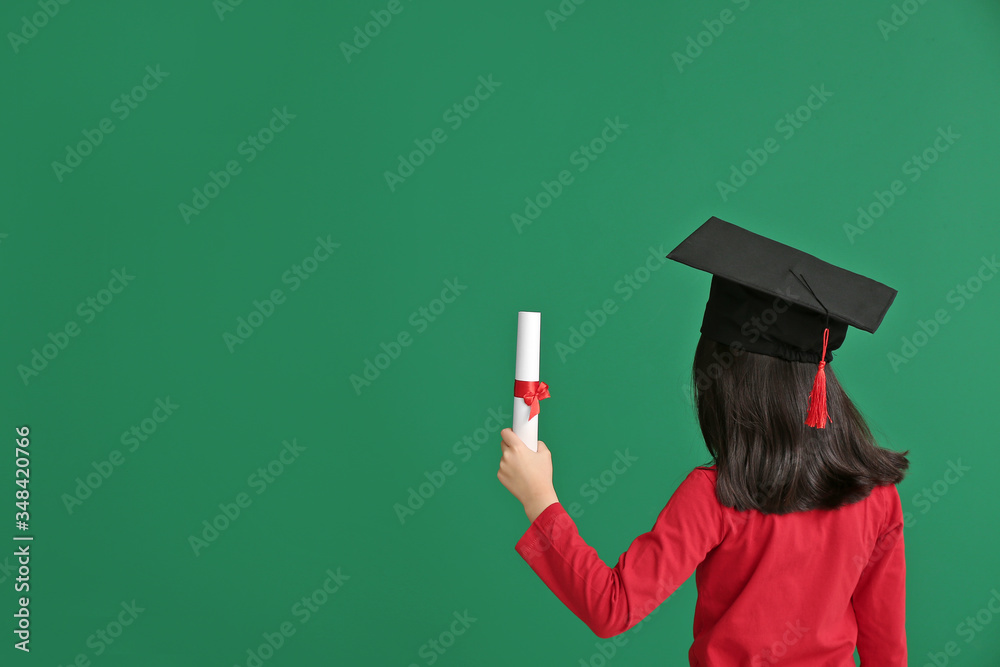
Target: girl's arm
{"points": [[880, 596], [610, 600]]}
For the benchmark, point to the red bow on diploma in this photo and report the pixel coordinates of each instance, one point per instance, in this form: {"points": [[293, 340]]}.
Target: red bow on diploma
{"points": [[531, 392]]}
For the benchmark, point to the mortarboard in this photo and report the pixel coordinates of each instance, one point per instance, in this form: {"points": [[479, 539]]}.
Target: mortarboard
{"points": [[772, 299]]}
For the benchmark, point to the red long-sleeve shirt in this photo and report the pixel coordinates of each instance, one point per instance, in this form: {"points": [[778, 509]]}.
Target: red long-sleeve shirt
{"points": [[794, 589]]}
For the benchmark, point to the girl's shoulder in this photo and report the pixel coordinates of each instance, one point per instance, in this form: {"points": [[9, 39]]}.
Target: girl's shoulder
{"points": [[703, 476]]}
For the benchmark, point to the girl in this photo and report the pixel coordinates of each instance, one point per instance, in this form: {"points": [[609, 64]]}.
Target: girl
{"points": [[795, 532]]}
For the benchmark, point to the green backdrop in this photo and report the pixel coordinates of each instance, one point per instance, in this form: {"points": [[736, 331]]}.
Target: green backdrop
{"points": [[217, 213]]}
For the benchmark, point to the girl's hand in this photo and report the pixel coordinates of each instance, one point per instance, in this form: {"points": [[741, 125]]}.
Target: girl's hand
{"points": [[527, 474]]}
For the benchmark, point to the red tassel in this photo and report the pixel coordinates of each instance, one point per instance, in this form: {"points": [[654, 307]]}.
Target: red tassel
{"points": [[818, 415]]}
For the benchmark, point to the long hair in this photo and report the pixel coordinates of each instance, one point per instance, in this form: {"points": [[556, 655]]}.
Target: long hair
{"points": [[752, 408]]}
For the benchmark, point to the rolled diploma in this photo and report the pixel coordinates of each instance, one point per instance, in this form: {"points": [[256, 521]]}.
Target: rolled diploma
{"points": [[529, 338]]}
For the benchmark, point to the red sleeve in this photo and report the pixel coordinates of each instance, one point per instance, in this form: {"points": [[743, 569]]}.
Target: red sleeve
{"points": [[610, 600], [880, 596]]}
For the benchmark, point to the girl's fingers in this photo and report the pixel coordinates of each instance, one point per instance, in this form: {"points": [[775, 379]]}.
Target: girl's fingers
{"points": [[509, 438]]}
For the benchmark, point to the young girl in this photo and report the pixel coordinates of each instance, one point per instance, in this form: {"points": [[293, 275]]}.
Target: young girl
{"points": [[795, 533]]}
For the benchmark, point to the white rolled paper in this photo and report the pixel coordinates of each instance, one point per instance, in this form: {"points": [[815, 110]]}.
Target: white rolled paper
{"points": [[529, 338]]}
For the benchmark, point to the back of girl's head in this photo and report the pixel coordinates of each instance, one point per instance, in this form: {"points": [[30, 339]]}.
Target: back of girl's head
{"points": [[751, 408]]}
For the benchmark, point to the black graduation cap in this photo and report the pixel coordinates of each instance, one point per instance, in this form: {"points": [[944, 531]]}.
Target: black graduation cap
{"points": [[773, 299]]}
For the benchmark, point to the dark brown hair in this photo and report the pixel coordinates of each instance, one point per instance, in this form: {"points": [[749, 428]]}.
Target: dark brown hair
{"points": [[752, 409]]}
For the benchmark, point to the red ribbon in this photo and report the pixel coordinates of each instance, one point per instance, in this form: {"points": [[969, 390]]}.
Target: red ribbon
{"points": [[531, 392]]}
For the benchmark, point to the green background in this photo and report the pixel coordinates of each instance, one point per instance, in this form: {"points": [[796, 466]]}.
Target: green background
{"points": [[324, 176]]}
